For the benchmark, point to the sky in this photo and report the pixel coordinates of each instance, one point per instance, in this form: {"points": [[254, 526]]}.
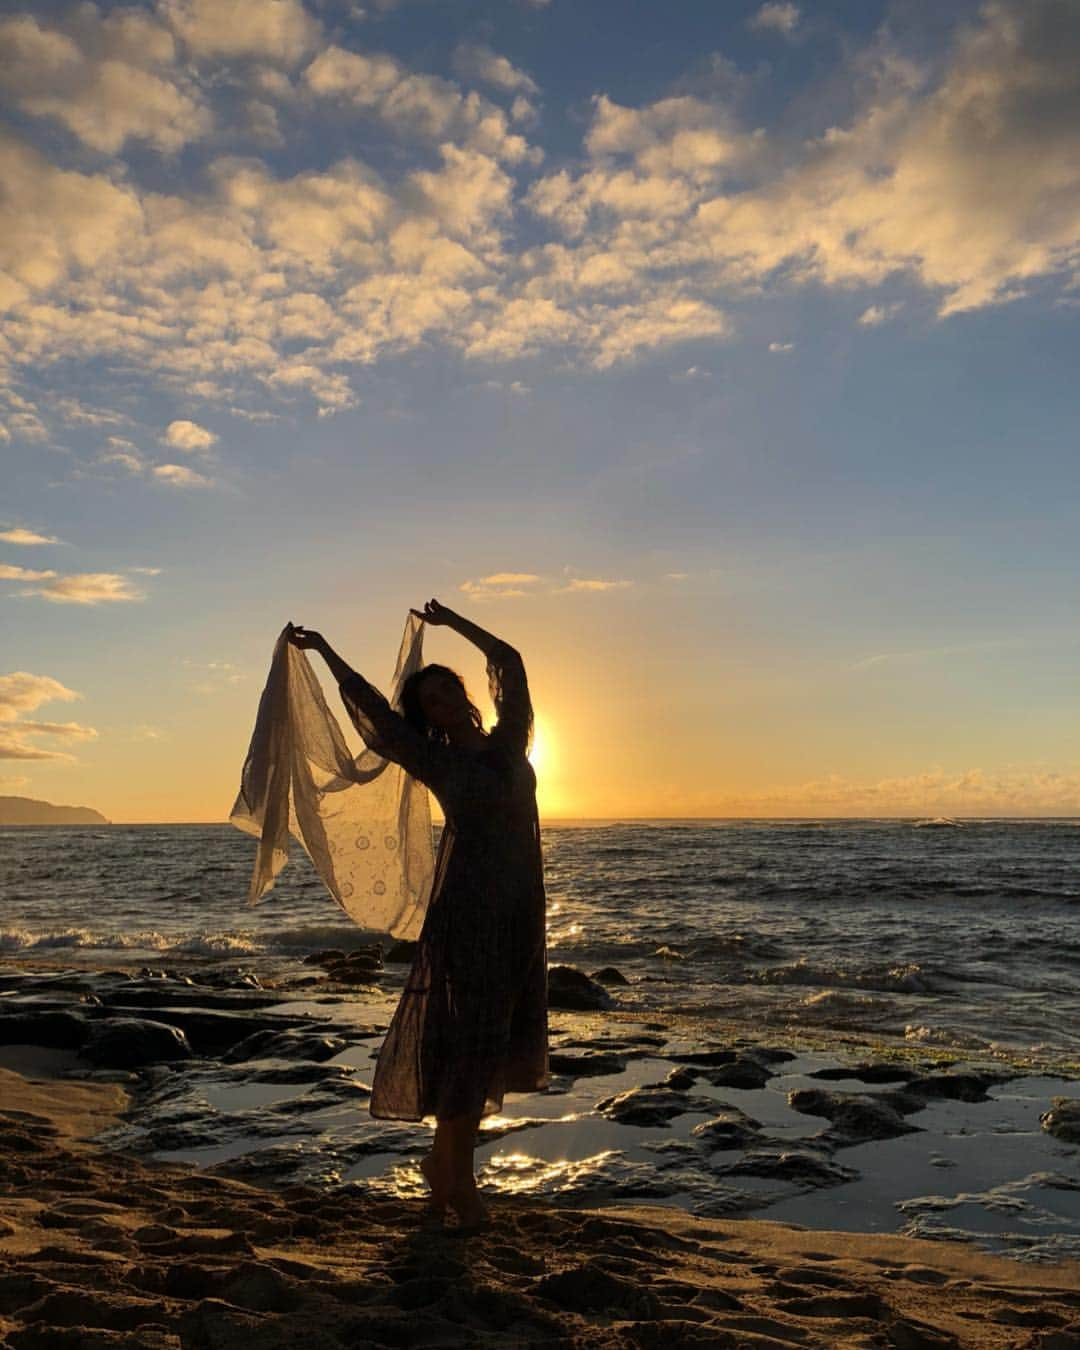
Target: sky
{"points": [[719, 356]]}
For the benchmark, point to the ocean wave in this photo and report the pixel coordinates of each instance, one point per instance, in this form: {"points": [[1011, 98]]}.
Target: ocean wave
{"points": [[313, 937], [22, 939], [953, 1040], [905, 979]]}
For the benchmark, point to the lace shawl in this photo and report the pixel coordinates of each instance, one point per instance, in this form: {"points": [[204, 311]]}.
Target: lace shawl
{"points": [[365, 822]]}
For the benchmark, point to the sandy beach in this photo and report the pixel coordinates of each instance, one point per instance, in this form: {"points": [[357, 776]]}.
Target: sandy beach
{"points": [[101, 1249]]}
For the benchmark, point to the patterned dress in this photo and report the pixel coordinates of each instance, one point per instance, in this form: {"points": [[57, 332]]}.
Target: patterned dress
{"points": [[472, 1022]]}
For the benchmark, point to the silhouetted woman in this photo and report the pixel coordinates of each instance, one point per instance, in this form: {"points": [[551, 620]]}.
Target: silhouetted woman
{"points": [[472, 1021]]}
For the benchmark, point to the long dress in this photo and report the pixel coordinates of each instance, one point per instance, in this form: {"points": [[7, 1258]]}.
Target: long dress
{"points": [[472, 1021]]}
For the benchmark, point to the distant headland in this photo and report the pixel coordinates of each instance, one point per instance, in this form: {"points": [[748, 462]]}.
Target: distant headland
{"points": [[26, 811]]}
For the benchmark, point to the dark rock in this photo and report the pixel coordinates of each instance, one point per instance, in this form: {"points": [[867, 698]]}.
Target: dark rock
{"points": [[401, 953], [743, 1073], [168, 992], [731, 1128], [961, 1087], [57, 1030], [651, 1105], [294, 1043], [1063, 1119], [680, 1079], [587, 1065], [854, 1117], [328, 954], [609, 975], [713, 1056], [802, 1165], [765, 1054], [865, 1073], [210, 1031], [573, 989], [128, 1043]]}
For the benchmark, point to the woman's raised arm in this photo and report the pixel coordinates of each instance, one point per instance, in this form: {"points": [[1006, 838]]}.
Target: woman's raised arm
{"points": [[383, 730]]}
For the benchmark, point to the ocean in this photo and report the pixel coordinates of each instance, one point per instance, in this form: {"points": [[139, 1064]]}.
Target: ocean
{"points": [[962, 935]]}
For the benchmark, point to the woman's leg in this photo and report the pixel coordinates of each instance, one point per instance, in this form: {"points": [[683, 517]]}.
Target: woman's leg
{"points": [[464, 1195], [449, 1167]]}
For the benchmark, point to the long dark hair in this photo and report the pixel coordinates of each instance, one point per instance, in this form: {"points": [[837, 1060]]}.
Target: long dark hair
{"points": [[413, 713]]}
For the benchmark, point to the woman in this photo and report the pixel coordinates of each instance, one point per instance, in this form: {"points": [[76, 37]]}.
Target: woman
{"points": [[472, 1021]]}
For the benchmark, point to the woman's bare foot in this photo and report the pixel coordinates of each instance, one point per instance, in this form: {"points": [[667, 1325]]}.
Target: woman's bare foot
{"points": [[468, 1206], [438, 1179]]}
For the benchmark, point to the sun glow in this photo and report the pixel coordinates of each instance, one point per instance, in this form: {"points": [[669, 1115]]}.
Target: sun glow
{"points": [[544, 758], [538, 755]]}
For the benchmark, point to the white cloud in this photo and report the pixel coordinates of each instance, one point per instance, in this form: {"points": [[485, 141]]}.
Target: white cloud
{"points": [[876, 314], [128, 460], [70, 731], [781, 346], [184, 435], [271, 30], [477, 62], [179, 475], [86, 588], [73, 412], [218, 676], [18, 535], [782, 17], [424, 106], [10, 573], [21, 692], [594, 584], [500, 586], [107, 78]]}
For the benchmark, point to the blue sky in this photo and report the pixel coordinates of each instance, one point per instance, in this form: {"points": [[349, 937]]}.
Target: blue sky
{"points": [[719, 356]]}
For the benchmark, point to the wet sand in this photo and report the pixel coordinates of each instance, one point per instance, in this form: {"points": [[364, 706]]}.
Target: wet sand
{"points": [[103, 1249]]}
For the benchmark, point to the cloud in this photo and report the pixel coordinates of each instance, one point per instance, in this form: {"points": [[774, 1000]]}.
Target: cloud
{"points": [[84, 588], [107, 78], [243, 281], [179, 475], [500, 586], [781, 346], [594, 584], [145, 732], [280, 31], [18, 535], [189, 436], [10, 573], [73, 412], [413, 105], [22, 692], [128, 460], [218, 676], [71, 731], [474, 61], [146, 571], [781, 17], [876, 314]]}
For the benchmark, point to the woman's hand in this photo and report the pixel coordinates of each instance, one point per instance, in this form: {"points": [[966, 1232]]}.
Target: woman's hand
{"points": [[305, 638], [434, 613]]}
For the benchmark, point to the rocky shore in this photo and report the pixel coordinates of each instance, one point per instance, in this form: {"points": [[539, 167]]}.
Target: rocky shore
{"points": [[233, 1151]]}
